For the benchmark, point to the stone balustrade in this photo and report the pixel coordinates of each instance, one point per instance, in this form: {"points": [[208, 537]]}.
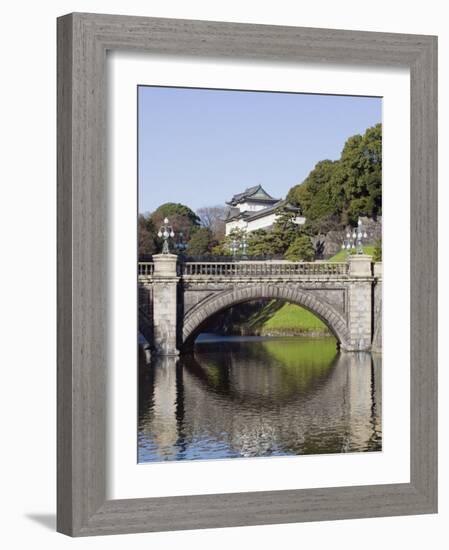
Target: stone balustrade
{"points": [[145, 269], [253, 269]]}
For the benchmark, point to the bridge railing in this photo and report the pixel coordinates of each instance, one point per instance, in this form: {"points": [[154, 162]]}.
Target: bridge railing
{"points": [[145, 269], [252, 269], [262, 269]]}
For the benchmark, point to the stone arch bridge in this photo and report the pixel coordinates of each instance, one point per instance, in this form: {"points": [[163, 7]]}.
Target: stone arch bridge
{"points": [[176, 299]]}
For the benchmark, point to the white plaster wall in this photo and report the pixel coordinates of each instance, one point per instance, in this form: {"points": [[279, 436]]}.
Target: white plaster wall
{"points": [[247, 207], [238, 224], [260, 223]]}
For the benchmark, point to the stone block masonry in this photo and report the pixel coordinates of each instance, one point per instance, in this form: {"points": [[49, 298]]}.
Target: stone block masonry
{"points": [[346, 296], [165, 323]]}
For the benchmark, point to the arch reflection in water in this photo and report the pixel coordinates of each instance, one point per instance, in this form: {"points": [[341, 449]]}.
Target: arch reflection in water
{"points": [[247, 397]]}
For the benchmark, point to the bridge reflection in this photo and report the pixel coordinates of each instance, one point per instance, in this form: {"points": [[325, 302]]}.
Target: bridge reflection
{"points": [[241, 373], [273, 397]]}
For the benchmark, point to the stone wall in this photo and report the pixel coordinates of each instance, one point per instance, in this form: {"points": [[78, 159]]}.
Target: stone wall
{"points": [[360, 316], [330, 244], [373, 228]]}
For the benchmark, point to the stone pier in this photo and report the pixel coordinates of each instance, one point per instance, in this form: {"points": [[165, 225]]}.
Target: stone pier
{"points": [[165, 288], [360, 303]]}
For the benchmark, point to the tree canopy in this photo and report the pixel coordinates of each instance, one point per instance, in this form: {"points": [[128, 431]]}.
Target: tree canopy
{"points": [[200, 242], [146, 236], [338, 192], [276, 240], [171, 209], [301, 249], [181, 218]]}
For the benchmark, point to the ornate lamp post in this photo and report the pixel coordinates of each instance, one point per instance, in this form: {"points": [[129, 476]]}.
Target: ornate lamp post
{"points": [[244, 245], [354, 239], [166, 231], [348, 243], [239, 246], [361, 236], [234, 246], [181, 244]]}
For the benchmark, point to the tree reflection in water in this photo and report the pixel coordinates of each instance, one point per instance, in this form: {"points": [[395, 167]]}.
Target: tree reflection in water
{"points": [[249, 397]]}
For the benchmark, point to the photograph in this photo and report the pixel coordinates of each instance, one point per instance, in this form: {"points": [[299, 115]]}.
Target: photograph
{"points": [[259, 274], [201, 203]]}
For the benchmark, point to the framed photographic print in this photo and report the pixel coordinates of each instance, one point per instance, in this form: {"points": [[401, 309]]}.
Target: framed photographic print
{"points": [[247, 274]]}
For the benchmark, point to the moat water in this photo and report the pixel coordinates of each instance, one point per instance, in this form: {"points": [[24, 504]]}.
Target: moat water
{"points": [[255, 396]]}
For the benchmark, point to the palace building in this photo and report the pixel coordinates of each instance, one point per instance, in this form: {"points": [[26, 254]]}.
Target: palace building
{"points": [[256, 209]]}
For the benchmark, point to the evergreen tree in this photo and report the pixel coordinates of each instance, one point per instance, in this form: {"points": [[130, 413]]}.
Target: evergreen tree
{"points": [[301, 249], [337, 193], [200, 242], [314, 195], [358, 176], [146, 236], [171, 209], [232, 244], [284, 231], [181, 218], [260, 243]]}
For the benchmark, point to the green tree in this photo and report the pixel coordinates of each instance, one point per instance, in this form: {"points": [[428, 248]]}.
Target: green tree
{"points": [[357, 181], [337, 193], [260, 243], [200, 242], [276, 240], [314, 195], [170, 209], [232, 243], [284, 231], [181, 218], [301, 249], [146, 235]]}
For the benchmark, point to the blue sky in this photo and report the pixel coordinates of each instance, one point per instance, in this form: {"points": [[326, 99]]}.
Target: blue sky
{"points": [[199, 147]]}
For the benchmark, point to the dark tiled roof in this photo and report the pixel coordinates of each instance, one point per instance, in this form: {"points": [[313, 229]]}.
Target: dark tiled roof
{"points": [[231, 213], [257, 193], [235, 214], [267, 211]]}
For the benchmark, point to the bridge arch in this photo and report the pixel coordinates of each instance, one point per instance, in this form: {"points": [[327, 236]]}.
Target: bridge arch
{"points": [[228, 298]]}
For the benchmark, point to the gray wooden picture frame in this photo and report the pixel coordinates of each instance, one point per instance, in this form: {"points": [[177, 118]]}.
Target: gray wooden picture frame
{"points": [[83, 40]]}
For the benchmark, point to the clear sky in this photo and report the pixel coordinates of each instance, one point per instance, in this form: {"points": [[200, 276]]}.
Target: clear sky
{"points": [[199, 147]]}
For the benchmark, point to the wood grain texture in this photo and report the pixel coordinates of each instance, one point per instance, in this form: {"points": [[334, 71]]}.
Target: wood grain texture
{"points": [[83, 40]]}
